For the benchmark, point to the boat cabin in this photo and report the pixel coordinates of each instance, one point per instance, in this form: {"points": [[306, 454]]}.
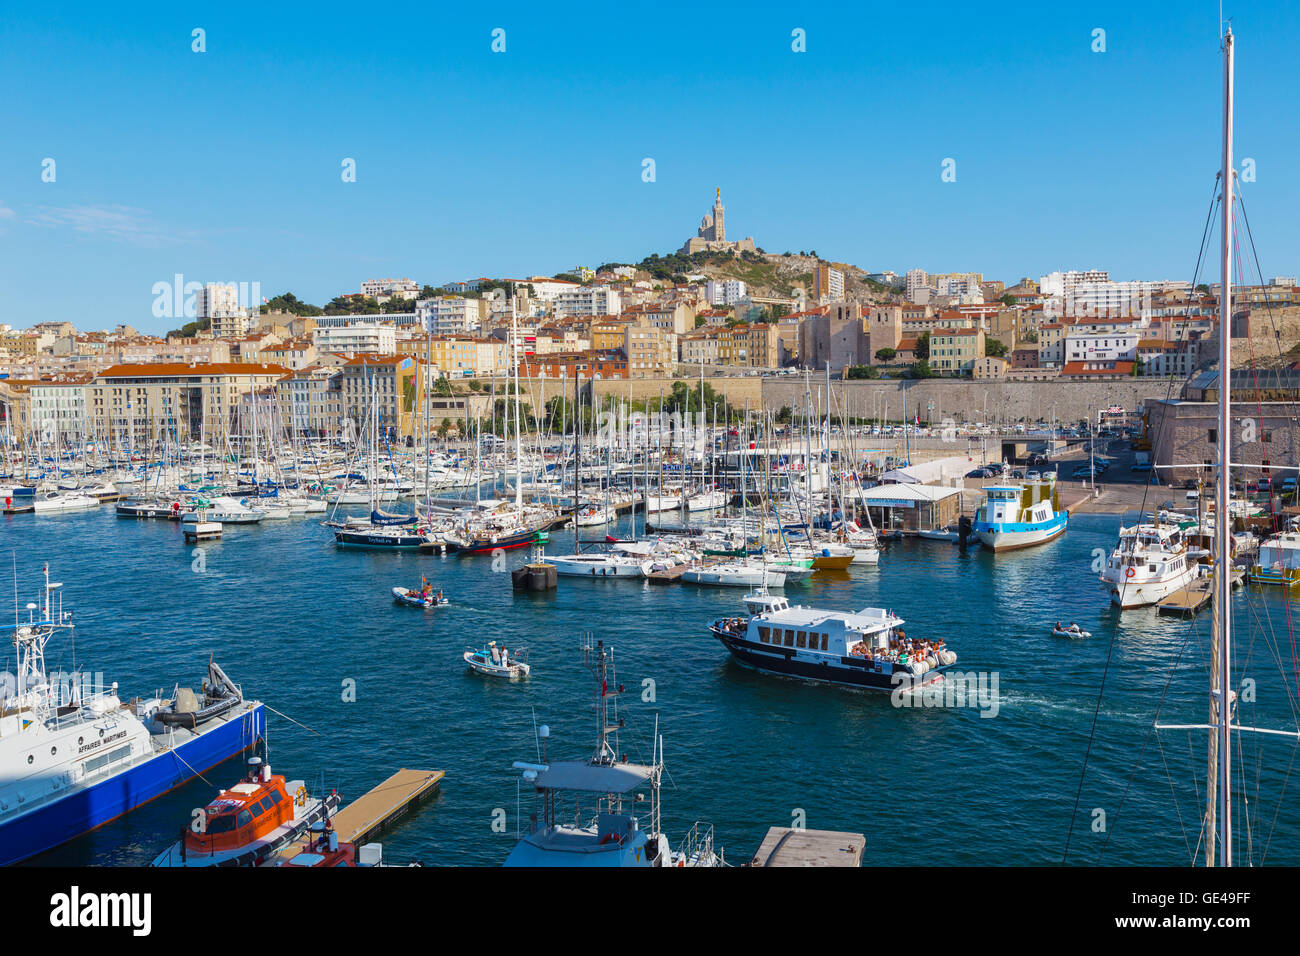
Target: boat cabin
{"points": [[245, 813]]}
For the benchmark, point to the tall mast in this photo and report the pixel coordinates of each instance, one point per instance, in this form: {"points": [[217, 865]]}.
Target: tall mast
{"points": [[1219, 788]]}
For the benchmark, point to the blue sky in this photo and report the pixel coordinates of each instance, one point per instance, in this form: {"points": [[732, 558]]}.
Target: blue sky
{"points": [[225, 165]]}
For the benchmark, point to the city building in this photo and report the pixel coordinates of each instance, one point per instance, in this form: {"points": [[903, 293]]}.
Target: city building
{"points": [[712, 234], [358, 337]]}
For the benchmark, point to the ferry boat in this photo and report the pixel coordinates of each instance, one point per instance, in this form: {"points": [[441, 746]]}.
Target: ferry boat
{"points": [[1278, 561], [72, 761], [866, 648], [1150, 562], [249, 823], [1020, 516], [623, 827]]}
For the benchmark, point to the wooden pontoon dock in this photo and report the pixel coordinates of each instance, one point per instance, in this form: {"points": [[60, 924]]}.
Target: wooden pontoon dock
{"points": [[786, 846], [1190, 598], [370, 813]]}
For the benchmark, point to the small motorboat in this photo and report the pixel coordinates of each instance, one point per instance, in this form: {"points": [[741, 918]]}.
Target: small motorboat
{"points": [[1071, 630], [419, 598], [498, 662]]}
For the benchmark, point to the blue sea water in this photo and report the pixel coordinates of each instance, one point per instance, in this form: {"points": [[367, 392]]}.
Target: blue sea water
{"points": [[300, 623]]}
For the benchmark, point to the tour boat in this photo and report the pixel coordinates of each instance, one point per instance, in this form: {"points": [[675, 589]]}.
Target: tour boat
{"points": [[1149, 562], [1020, 516], [498, 662], [249, 823], [866, 648], [74, 756]]}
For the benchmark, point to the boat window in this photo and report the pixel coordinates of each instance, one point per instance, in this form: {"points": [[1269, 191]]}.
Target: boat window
{"points": [[824, 641], [220, 824], [763, 634], [789, 638], [275, 796], [801, 639], [245, 818]]}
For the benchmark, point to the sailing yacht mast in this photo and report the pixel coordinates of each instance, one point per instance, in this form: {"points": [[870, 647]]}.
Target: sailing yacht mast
{"points": [[1220, 754]]}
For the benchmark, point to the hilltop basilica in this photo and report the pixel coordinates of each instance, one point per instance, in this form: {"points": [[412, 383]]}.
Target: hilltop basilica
{"points": [[712, 234]]}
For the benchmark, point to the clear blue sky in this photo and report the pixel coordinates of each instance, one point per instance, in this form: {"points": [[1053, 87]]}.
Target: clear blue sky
{"points": [[225, 165]]}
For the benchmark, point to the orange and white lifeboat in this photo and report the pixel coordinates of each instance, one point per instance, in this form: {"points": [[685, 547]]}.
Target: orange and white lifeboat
{"points": [[249, 822]]}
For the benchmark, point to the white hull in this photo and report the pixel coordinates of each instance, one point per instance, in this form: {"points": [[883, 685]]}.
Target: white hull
{"points": [[1136, 592]]}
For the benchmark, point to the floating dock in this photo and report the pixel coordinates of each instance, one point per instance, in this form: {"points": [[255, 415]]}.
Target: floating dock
{"points": [[785, 846], [1190, 598], [367, 815]]}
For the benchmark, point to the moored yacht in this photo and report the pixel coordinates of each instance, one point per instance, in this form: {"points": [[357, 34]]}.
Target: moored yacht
{"points": [[1150, 562], [1278, 561]]}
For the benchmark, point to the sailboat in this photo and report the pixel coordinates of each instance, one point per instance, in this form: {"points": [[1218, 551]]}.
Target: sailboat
{"points": [[1223, 721]]}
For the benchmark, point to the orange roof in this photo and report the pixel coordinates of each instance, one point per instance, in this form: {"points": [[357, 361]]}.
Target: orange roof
{"points": [[173, 369]]}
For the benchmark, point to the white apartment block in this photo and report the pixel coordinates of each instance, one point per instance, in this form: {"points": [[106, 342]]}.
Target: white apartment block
{"points": [[1101, 346], [449, 315], [1059, 283], [217, 299], [359, 337], [732, 291], [587, 300], [57, 410], [396, 288], [917, 283]]}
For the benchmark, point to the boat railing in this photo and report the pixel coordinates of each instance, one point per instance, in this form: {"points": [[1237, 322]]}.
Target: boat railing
{"points": [[697, 845]]}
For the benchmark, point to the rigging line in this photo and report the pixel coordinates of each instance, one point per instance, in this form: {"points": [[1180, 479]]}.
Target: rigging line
{"points": [[1259, 411], [1150, 730], [1295, 749], [1173, 792], [1110, 649], [291, 720]]}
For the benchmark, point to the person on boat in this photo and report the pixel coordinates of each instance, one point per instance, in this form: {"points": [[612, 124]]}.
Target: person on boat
{"points": [[505, 657], [496, 652], [1058, 626], [439, 595]]}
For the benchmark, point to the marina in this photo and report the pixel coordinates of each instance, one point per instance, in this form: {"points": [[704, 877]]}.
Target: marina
{"points": [[337, 666]]}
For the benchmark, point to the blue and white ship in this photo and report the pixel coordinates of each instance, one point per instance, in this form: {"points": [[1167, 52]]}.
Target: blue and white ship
{"points": [[1020, 516], [72, 760]]}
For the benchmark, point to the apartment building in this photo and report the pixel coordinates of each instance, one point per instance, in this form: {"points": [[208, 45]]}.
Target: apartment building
{"points": [[651, 351], [368, 337], [587, 300], [955, 351], [57, 410], [391, 288], [588, 365], [382, 381], [139, 403], [724, 291], [311, 401], [450, 315], [457, 356]]}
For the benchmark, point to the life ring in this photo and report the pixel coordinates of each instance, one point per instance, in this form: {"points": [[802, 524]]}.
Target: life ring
{"points": [[1131, 572], [300, 797]]}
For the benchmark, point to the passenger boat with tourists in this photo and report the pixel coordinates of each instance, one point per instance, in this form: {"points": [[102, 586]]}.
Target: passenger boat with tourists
{"points": [[866, 648], [425, 597]]}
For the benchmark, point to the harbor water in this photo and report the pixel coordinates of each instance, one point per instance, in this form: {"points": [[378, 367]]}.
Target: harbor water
{"points": [[361, 686]]}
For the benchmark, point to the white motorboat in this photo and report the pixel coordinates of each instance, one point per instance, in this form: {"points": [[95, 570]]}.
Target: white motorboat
{"points": [[496, 661], [1148, 563]]}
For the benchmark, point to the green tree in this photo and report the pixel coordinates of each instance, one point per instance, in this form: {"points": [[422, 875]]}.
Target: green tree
{"points": [[922, 350], [995, 348], [1008, 300], [886, 354], [442, 387], [861, 371], [921, 369]]}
